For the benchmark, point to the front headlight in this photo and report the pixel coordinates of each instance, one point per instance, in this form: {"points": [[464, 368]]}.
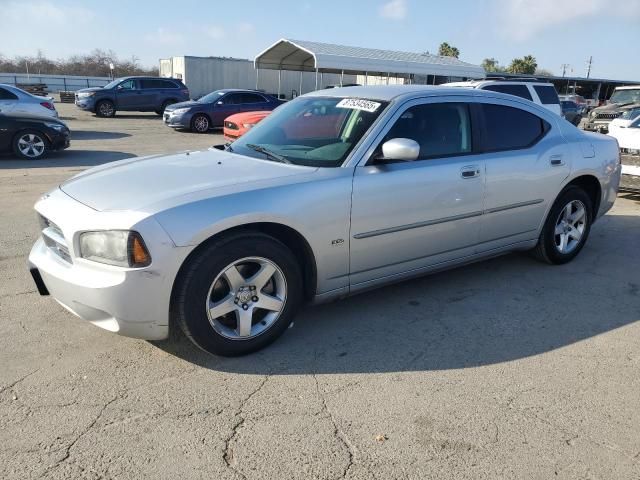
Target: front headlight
{"points": [[56, 126], [122, 248], [180, 111], [86, 94]]}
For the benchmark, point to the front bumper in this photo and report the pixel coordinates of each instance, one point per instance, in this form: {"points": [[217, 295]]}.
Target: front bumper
{"points": [[118, 301], [85, 103], [600, 127], [133, 302], [177, 121], [60, 141]]}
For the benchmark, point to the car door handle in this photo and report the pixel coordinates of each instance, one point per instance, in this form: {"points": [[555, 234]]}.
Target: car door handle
{"points": [[556, 160], [470, 171]]}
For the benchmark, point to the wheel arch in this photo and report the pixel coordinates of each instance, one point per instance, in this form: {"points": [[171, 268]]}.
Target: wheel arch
{"points": [[29, 129], [290, 237], [592, 187], [201, 113]]}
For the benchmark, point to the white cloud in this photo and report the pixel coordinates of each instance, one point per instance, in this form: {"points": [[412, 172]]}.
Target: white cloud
{"points": [[522, 19], [394, 10]]}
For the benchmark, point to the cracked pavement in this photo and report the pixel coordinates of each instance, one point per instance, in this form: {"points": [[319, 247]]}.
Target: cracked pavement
{"points": [[502, 369]]}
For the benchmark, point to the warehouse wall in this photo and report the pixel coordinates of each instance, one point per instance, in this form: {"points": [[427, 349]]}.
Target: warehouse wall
{"points": [[205, 74]]}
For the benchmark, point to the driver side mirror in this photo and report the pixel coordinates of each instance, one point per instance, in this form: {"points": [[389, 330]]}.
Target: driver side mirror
{"points": [[403, 149], [220, 102]]}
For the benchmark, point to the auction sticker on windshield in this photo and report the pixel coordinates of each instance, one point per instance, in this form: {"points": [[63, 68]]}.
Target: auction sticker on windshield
{"points": [[359, 104]]}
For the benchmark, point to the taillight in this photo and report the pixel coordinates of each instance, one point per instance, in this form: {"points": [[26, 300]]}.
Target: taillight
{"points": [[48, 105]]}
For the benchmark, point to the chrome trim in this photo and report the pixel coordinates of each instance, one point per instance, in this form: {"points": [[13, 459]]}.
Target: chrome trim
{"points": [[383, 231], [514, 205], [400, 228]]}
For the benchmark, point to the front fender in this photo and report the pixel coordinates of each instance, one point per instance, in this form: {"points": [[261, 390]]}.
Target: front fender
{"points": [[319, 211]]}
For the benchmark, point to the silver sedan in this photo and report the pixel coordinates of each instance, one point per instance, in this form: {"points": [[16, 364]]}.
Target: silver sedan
{"points": [[336, 192], [16, 101]]}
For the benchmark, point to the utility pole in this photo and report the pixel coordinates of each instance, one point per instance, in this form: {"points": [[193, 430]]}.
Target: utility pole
{"points": [[564, 68], [589, 65]]}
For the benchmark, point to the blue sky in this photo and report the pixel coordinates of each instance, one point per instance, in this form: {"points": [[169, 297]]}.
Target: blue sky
{"points": [[554, 31]]}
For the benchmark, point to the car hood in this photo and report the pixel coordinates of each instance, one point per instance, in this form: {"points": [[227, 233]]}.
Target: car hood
{"points": [[91, 89], [137, 183], [188, 104], [248, 117], [616, 107]]}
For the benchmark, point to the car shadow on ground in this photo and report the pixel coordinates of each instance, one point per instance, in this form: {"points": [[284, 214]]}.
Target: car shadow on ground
{"points": [[66, 158], [500, 310], [97, 135]]}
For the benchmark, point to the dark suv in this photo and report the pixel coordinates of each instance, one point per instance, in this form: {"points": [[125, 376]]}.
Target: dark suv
{"points": [[133, 94]]}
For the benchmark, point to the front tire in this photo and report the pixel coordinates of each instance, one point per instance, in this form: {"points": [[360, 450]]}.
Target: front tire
{"points": [[106, 109], [200, 123], [31, 145], [238, 294], [566, 228]]}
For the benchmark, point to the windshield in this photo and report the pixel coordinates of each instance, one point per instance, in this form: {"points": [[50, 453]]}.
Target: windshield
{"points": [[211, 97], [113, 83], [631, 114], [313, 131], [626, 96]]}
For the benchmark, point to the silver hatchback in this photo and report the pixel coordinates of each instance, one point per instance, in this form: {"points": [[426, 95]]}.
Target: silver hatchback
{"points": [[335, 192]]}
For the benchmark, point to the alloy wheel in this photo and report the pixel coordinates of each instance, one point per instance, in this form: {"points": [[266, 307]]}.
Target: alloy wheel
{"points": [[201, 124], [106, 109], [246, 298], [31, 145], [570, 226]]}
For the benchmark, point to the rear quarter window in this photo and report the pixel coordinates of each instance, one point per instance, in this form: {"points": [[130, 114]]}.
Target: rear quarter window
{"points": [[7, 95], [510, 128], [518, 90], [547, 94]]}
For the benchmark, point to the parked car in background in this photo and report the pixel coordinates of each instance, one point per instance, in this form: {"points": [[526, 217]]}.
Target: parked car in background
{"points": [[542, 93], [237, 125], [579, 100], [209, 111], [626, 130], [398, 182], [132, 94], [623, 99], [16, 100], [571, 112], [31, 137]]}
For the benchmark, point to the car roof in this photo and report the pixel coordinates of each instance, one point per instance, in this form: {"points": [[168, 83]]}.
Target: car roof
{"points": [[389, 93], [481, 83]]}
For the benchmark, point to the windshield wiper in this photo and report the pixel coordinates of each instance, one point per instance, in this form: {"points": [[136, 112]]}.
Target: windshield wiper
{"points": [[271, 155]]}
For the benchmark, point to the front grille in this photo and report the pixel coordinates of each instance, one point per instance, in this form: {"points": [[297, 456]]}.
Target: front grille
{"points": [[54, 239], [608, 116], [231, 126]]}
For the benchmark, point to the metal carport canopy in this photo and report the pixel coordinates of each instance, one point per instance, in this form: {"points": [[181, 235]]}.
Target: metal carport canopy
{"points": [[301, 55]]}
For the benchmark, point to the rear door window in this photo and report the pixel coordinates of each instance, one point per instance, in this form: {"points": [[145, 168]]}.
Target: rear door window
{"points": [[547, 94], [518, 90], [509, 128], [251, 98]]}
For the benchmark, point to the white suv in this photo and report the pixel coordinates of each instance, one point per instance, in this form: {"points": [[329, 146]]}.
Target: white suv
{"points": [[542, 93]]}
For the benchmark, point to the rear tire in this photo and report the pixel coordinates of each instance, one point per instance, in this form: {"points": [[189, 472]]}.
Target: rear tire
{"points": [[105, 109], [31, 145], [566, 228], [200, 123], [248, 276]]}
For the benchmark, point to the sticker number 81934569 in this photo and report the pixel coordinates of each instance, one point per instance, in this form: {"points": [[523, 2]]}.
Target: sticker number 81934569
{"points": [[358, 104]]}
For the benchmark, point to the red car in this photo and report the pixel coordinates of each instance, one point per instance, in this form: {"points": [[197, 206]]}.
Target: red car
{"points": [[238, 124]]}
